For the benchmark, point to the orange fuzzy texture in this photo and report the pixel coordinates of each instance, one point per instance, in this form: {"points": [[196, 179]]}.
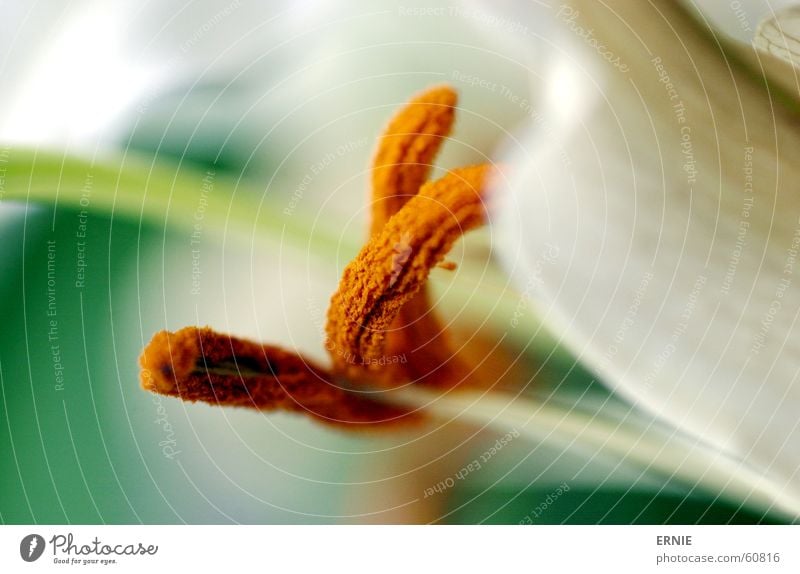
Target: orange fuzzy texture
{"points": [[202, 365], [401, 165], [377, 284], [379, 314], [406, 150]]}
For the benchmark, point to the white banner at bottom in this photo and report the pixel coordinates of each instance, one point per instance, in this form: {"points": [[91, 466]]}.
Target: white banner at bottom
{"points": [[379, 549]]}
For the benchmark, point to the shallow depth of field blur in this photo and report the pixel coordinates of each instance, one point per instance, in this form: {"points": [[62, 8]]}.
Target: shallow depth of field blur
{"points": [[278, 105]]}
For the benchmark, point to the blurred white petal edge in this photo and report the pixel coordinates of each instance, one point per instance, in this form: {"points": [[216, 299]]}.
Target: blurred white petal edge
{"points": [[673, 211]]}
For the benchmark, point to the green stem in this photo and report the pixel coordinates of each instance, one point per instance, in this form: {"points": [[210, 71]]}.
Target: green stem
{"points": [[167, 195], [160, 194], [653, 448]]}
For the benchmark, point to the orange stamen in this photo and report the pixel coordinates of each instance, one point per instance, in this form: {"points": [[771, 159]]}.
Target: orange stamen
{"points": [[202, 365], [380, 326], [377, 284]]}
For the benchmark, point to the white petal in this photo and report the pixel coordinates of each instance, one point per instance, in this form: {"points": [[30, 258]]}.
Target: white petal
{"points": [[777, 42], [764, 35], [780, 35], [737, 19], [644, 244]]}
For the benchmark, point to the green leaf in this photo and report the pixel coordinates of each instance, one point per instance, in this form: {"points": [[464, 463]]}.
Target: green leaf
{"points": [[541, 505]]}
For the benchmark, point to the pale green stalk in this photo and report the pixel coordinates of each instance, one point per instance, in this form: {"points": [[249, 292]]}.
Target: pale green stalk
{"points": [[167, 196], [651, 447]]}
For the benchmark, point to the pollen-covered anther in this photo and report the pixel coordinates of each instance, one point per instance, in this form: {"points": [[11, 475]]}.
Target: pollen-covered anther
{"points": [[381, 328], [198, 364], [373, 290]]}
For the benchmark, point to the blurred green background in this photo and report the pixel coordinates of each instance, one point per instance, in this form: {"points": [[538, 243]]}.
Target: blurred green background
{"points": [[245, 93], [100, 450]]}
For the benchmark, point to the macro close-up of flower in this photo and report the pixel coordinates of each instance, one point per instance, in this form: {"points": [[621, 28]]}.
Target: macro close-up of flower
{"points": [[432, 263]]}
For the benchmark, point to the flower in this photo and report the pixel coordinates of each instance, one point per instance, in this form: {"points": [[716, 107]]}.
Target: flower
{"points": [[672, 204], [253, 94], [381, 303]]}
